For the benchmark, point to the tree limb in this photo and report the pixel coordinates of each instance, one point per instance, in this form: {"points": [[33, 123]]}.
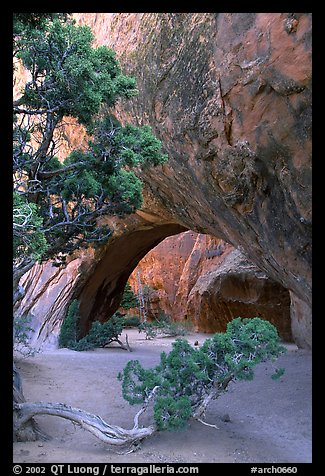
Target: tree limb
{"points": [[110, 434], [53, 173], [207, 424], [144, 407], [214, 394]]}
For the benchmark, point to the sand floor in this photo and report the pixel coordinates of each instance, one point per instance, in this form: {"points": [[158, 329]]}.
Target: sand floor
{"points": [[270, 421]]}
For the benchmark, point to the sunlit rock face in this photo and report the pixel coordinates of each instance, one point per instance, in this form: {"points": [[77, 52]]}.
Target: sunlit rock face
{"points": [[96, 277], [204, 281], [229, 95], [192, 278]]}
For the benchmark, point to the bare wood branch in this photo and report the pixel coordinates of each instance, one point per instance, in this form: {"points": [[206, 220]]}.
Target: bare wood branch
{"points": [[144, 407], [20, 269], [207, 424], [214, 394], [20, 110], [127, 343], [110, 434]]}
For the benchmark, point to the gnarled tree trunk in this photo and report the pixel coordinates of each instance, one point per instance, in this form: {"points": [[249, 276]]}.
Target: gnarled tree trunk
{"points": [[26, 429], [111, 434], [18, 271]]}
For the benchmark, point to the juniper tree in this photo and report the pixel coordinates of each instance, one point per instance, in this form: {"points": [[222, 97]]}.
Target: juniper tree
{"points": [[100, 334], [129, 298], [188, 378], [180, 387], [57, 203]]}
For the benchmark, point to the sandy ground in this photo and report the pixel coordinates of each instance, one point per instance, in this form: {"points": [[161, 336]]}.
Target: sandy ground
{"points": [[270, 421]]}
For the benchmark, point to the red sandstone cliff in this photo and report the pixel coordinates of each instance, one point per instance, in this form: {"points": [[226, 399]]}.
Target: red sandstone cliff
{"points": [[204, 280], [229, 95]]}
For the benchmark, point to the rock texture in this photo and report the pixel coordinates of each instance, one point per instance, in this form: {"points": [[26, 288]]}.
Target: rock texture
{"points": [[229, 94], [238, 288], [192, 277], [95, 277], [48, 291], [301, 321], [204, 280]]}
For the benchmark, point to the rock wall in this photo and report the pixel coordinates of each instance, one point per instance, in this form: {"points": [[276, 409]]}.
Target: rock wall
{"points": [[96, 277], [301, 322], [202, 279], [229, 95], [48, 291]]}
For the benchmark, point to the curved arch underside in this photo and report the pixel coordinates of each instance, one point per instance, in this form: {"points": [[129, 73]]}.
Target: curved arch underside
{"points": [[233, 111], [101, 294]]}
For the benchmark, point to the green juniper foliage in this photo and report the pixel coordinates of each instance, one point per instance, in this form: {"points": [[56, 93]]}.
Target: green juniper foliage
{"points": [[57, 203], [70, 77], [187, 375], [131, 321], [69, 329], [21, 335], [100, 334], [23, 22], [129, 299], [163, 325], [29, 239]]}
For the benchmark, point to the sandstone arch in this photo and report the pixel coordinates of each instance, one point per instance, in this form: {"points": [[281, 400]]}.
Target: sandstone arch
{"points": [[229, 95], [210, 291], [101, 293], [95, 277]]}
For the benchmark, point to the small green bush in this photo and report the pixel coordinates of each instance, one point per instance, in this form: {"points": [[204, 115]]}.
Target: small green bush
{"points": [[149, 329], [21, 335], [187, 378], [164, 326], [129, 299], [131, 321], [69, 328], [101, 334]]}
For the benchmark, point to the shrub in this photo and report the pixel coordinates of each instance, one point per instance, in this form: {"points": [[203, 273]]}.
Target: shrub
{"points": [[69, 328], [129, 299], [164, 326], [21, 335], [101, 334], [131, 321], [188, 378], [148, 328]]}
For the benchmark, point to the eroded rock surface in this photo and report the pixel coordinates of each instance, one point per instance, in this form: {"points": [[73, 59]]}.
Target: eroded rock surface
{"points": [[202, 279], [95, 277], [229, 95]]}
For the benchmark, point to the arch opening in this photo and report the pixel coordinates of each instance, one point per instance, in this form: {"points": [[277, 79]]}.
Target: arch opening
{"points": [[101, 294], [193, 277]]}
